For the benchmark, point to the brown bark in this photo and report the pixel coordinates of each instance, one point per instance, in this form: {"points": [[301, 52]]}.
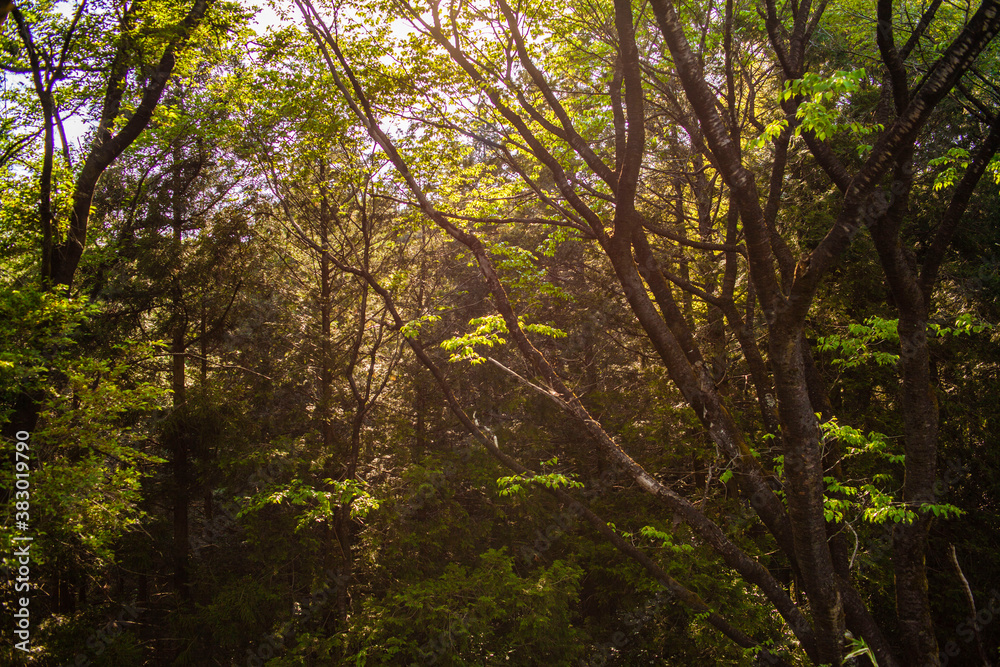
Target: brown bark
{"points": [[800, 430], [911, 294]]}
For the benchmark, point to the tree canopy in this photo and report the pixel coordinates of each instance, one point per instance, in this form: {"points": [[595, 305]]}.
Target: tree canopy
{"points": [[596, 332]]}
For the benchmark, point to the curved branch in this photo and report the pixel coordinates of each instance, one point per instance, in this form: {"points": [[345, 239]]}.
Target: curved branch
{"points": [[956, 208]]}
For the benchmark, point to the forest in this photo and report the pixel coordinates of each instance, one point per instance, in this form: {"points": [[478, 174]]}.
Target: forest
{"points": [[500, 332]]}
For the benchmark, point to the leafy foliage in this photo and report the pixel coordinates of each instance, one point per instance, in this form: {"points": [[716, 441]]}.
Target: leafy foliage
{"points": [[243, 420]]}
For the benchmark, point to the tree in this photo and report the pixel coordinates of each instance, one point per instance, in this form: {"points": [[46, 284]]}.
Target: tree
{"points": [[533, 124], [49, 62], [608, 332]]}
